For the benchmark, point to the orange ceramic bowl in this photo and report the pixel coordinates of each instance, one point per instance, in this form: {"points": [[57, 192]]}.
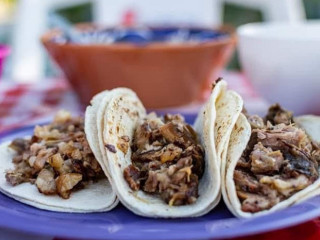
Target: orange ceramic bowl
{"points": [[162, 74]]}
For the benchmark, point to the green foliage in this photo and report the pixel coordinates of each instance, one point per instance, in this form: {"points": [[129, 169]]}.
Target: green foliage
{"points": [[236, 16], [80, 13], [312, 8]]}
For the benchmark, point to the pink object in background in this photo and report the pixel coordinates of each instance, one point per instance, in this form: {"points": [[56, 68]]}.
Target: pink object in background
{"points": [[4, 52], [129, 18]]}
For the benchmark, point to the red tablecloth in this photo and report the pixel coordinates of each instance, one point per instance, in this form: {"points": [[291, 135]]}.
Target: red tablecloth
{"points": [[24, 104]]}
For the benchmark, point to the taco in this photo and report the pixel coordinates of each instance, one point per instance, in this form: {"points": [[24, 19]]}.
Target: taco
{"points": [[311, 124], [162, 166], [271, 164], [55, 169]]}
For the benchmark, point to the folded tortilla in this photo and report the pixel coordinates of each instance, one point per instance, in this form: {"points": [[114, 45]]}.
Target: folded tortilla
{"points": [[95, 197], [123, 115], [94, 125], [239, 139], [311, 124], [81, 201]]}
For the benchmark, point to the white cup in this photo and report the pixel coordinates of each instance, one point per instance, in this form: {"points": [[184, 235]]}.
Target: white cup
{"points": [[282, 61]]}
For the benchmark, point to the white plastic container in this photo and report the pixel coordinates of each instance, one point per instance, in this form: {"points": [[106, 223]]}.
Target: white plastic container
{"points": [[282, 61]]}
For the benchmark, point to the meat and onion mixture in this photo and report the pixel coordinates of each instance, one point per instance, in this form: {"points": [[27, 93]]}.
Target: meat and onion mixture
{"points": [[167, 160], [57, 158], [279, 161]]}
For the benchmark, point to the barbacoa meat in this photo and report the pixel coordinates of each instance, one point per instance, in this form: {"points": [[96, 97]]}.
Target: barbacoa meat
{"points": [[277, 115], [57, 158], [167, 160], [265, 160], [280, 160]]}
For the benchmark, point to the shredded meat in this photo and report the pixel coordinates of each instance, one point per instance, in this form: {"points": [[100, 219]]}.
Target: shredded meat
{"points": [[45, 182], [265, 160], [256, 121], [166, 160], [277, 115], [245, 181], [255, 202], [280, 160], [123, 144], [243, 163], [57, 158], [279, 136], [300, 162], [286, 186], [131, 175], [19, 145], [66, 182]]}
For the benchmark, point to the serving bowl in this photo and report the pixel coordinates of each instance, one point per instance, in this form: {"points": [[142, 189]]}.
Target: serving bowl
{"points": [[282, 62], [163, 74]]}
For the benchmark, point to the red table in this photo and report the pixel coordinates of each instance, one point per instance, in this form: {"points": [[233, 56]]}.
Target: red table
{"points": [[23, 104]]}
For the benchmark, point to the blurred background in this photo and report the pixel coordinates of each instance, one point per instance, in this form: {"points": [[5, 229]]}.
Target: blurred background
{"points": [[273, 59], [22, 23], [23, 36]]}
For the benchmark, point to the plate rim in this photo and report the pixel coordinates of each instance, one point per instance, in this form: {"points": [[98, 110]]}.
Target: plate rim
{"points": [[10, 220]]}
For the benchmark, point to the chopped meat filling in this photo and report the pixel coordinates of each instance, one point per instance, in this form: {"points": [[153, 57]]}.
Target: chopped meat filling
{"points": [[167, 160], [265, 160], [277, 115], [45, 182], [280, 160], [57, 159]]}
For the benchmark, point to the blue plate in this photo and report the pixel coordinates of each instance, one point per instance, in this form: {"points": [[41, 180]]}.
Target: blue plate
{"points": [[122, 224]]}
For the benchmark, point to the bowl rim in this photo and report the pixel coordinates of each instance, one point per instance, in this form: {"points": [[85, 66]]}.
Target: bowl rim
{"points": [[230, 38], [258, 30]]}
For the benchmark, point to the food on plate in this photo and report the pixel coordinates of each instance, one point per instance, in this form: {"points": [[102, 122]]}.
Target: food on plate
{"points": [[57, 158], [271, 163], [224, 107], [55, 169], [311, 124], [161, 166], [167, 159]]}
